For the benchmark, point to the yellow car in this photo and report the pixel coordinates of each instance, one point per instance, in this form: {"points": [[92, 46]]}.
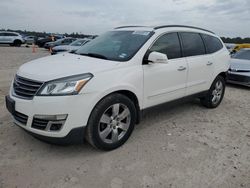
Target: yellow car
{"points": [[240, 46]]}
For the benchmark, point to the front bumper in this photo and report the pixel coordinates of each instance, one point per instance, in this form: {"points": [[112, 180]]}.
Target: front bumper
{"points": [[77, 108], [239, 79], [75, 136]]}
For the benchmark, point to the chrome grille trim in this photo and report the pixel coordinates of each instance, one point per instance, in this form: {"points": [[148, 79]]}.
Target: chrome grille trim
{"points": [[25, 88]]}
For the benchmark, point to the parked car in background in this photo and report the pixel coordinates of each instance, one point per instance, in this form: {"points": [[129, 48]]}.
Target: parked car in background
{"points": [[64, 41], [29, 39], [239, 71], [98, 92], [11, 38], [71, 47], [41, 42]]}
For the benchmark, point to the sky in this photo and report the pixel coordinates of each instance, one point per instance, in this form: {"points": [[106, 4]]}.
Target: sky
{"points": [[229, 18]]}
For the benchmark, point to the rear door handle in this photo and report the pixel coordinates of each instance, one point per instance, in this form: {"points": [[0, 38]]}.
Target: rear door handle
{"points": [[182, 68], [209, 63]]}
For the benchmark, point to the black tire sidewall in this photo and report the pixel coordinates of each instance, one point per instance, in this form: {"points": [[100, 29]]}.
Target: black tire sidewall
{"points": [[210, 93], [98, 111], [17, 43]]}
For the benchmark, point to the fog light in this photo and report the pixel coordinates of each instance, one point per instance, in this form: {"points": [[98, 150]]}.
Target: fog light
{"points": [[49, 122], [55, 126]]}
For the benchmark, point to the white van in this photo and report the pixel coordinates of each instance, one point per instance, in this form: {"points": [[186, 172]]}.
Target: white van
{"points": [[98, 92]]}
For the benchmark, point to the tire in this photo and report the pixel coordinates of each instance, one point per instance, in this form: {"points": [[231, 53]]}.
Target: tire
{"points": [[111, 122], [17, 43], [215, 94]]}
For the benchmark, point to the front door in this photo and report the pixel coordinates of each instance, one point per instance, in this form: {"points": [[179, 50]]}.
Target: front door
{"points": [[164, 82]]}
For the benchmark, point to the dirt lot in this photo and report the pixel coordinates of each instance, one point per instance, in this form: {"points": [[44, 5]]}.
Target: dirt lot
{"points": [[181, 146]]}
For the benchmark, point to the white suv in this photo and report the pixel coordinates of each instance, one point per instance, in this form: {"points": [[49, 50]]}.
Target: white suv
{"points": [[11, 38], [98, 92]]}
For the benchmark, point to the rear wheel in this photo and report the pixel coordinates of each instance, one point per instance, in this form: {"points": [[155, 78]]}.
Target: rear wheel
{"points": [[215, 94], [111, 122], [17, 43]]}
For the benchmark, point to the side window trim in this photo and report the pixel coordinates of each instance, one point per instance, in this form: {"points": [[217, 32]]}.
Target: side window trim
{"points": [[205, 46], [181, 44]]}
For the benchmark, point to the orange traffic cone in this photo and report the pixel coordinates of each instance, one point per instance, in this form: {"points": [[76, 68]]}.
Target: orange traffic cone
{"points": [[33, 48]]}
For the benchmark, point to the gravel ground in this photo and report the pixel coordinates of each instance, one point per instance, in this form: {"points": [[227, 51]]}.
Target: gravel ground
{"points": [[174, 146]]}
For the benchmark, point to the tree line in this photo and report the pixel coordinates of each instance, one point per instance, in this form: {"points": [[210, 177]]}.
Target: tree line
{"points": [[44, 34], [236, 40]]}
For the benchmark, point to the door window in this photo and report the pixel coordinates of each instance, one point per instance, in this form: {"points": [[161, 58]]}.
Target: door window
{"points": [[10, 34], [168, 44], [193, 44]]}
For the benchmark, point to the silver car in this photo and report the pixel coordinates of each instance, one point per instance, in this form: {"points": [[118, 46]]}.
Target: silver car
{"points": [[29, 39], [11, 38], [71, 47], [239, 72]]}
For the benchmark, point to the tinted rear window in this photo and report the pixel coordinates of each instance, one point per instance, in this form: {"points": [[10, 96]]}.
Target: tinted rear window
{"points": [[192, 44], [213, 44], [10, 34]]}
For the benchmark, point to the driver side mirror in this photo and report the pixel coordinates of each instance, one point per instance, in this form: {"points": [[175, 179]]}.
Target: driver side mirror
{"points": [[157, 57]]}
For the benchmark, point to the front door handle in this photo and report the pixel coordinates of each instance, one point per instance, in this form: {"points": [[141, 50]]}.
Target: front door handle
{"points": [[209, 63], [182, 68]]}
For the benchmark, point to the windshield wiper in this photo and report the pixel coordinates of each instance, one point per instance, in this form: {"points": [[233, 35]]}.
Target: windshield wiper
{"points": [[94, 55]]}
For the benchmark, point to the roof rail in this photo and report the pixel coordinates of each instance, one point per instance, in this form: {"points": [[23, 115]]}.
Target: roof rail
{"points": [[192, 27], [129, 26]]}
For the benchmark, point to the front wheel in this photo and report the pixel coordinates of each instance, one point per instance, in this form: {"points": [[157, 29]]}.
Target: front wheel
{"points": [[215, 94], [111, 122]]}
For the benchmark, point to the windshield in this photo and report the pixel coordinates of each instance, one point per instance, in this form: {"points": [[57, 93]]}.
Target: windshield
{"points": [[243, 54], [115, 45], [59, 41], [78, 42]]}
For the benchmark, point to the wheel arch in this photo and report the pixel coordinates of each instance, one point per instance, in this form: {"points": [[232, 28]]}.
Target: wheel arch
{"points": [[224, 75], [128, 93], [135, 100]]}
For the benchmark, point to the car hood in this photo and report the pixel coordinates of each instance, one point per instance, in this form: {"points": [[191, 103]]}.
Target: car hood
{"points": [[62, 47], [50, 42], [63, 65], [240, 65]]}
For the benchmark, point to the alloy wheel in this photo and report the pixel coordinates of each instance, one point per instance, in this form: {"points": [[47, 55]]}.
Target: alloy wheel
{"points": [[114, 123], [217, 92]]}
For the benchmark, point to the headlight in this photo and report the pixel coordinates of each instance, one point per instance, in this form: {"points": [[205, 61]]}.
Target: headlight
{"points": [[65, 86]]}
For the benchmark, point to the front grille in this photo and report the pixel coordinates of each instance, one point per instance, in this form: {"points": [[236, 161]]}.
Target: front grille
{"points": [[25, 88], [21, 118], [238, 78], [40, 124]]}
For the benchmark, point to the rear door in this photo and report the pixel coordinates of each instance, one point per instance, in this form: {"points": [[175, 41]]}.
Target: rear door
{"points": [[164, 82], [200, 64]]}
